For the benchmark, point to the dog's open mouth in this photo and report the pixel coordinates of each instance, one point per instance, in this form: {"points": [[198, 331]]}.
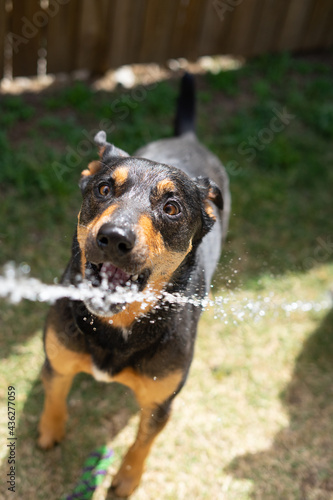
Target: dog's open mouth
{"points": [[115, 287], [109, 277]]}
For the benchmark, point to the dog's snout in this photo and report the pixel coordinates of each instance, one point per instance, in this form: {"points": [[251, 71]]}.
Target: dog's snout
{"points": [[115, 241]]}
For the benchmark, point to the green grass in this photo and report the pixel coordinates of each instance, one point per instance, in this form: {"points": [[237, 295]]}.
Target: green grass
{"points": [[255, 418]]}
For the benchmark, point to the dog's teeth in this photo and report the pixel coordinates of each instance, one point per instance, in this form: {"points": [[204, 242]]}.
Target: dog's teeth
{"points": [[135, 277]]}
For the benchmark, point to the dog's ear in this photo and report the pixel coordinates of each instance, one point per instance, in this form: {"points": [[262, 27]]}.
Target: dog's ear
{"points": [[106, 152], [209, 191]]}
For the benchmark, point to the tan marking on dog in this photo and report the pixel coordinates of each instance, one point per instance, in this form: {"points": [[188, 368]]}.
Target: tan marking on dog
{"points": [[149, 394], [148, 391], [66, 364], [125, 318], [101, 150], [82, 234], [91, 229], [92, 169], [149, 237], [165, 186], [209, 210], [120, 176], [130, 472], [53, 419], [65, 361], [163, 262], [103, 218]]}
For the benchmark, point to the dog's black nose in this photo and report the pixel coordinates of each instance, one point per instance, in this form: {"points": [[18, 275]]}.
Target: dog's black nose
{"points": [[114, 240]]}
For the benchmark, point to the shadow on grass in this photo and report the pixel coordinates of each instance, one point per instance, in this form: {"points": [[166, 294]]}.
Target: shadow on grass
{"points": [[97, 413], [300, 462]]}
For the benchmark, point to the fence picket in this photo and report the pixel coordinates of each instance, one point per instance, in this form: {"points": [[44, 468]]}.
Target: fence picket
{"points": [[157, 29], [26, 24], [126, 31], [292, 30], [272, 15], [243, 27], [317, 23], [3, 18], [92, 44], [62, 37]]}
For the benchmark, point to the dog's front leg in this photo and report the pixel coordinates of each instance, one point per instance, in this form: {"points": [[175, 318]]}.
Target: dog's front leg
{"points": [[60, 367], [153, 420], [155, 396], [53, 419]]}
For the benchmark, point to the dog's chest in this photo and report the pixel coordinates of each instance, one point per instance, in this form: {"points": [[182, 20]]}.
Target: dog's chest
{"points": [[101, 375], [149, 390]]}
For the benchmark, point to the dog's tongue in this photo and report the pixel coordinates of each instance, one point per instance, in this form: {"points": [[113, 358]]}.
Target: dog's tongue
{"points": [[114, 275]]}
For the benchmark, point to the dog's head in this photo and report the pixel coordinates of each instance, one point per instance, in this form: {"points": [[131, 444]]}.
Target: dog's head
{"points": [[138, 222]]}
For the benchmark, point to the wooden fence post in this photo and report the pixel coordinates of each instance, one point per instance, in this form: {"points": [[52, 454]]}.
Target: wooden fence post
{"points": [[26, 23]]}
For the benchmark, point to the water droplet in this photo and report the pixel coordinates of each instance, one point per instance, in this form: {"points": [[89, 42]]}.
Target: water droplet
{"points": [[25, 268]]}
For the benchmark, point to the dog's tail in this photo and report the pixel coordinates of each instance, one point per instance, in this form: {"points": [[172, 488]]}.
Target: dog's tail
{"points": [[185, 114]]}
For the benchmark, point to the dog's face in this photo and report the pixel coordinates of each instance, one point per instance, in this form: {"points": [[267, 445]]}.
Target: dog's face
{"points": [[138, 222]]}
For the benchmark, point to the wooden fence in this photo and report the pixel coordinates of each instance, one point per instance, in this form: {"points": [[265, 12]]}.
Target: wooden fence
{"points": [[101, 34]]}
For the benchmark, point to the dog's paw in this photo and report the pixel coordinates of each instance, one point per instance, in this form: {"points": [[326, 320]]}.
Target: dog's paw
{"points": [[46, 441], [50, 433], [126, 480]]}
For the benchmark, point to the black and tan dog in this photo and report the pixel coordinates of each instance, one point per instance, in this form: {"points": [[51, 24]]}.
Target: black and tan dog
{"points": [[150, 223]]}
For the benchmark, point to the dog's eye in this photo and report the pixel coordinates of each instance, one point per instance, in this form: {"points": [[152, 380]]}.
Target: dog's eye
{"points": [[171, 209], [104, 189]]}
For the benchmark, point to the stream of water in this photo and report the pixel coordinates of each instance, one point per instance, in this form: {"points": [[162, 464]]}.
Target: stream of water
{"points": [[16, 284]]}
